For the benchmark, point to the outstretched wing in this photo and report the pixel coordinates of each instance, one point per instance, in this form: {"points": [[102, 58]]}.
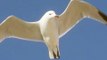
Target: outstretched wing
{"points": [[75, 11], [13, 26]]}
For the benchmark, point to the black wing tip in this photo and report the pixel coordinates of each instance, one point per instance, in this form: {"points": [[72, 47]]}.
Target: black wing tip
{"points": [[56, 56], [103, 15]]}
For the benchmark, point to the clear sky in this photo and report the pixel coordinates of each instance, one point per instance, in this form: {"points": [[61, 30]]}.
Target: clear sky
{"points": [[87, 41]]}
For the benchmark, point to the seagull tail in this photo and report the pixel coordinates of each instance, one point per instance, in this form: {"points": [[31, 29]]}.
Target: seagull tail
{"points": [[54, 54], [53, 48]]}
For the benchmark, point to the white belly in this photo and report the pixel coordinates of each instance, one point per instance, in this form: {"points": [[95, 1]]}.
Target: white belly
{"points": [[49, 28]]}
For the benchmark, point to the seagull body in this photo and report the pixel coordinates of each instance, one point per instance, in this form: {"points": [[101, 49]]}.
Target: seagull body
{"points": [[51, 27]]}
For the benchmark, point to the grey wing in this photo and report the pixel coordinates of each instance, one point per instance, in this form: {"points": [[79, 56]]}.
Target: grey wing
{"points": [[69, 18], [93, 13], [13, 26], [75, 11]]}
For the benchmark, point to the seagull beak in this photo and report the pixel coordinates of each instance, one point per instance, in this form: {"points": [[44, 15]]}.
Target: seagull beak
{"points": [[57, 16]]}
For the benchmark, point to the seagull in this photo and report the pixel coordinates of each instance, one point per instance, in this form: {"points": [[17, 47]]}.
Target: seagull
{"points": [[51, 27]]}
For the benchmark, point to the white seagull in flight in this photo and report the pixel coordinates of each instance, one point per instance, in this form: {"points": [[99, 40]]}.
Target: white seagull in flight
{"points": [[51, 27]]}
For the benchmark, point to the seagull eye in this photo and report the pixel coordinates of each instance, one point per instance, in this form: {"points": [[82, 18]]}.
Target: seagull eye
{"points": [[50, 14]]}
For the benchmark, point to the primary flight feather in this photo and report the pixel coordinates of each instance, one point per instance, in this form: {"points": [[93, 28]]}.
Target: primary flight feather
{"points": [[51, 26]]}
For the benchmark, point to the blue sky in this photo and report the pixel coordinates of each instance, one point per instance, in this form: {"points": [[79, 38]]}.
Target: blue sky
{"points": [[87, 41]]}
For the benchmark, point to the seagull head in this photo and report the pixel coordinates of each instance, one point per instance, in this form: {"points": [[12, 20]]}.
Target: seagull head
{"points": [[50, 14]]}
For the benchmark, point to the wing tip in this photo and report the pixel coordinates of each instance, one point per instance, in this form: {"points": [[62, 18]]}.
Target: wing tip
{"points": [[103, 15]]}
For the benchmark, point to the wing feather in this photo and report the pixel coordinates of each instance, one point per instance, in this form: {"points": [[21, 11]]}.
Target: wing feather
{"points": [[13, 26], [94, 13], [75, 11], [69, 18]]}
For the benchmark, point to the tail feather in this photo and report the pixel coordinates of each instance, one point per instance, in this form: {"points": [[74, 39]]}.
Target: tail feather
{"points": [[54, 54]]}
